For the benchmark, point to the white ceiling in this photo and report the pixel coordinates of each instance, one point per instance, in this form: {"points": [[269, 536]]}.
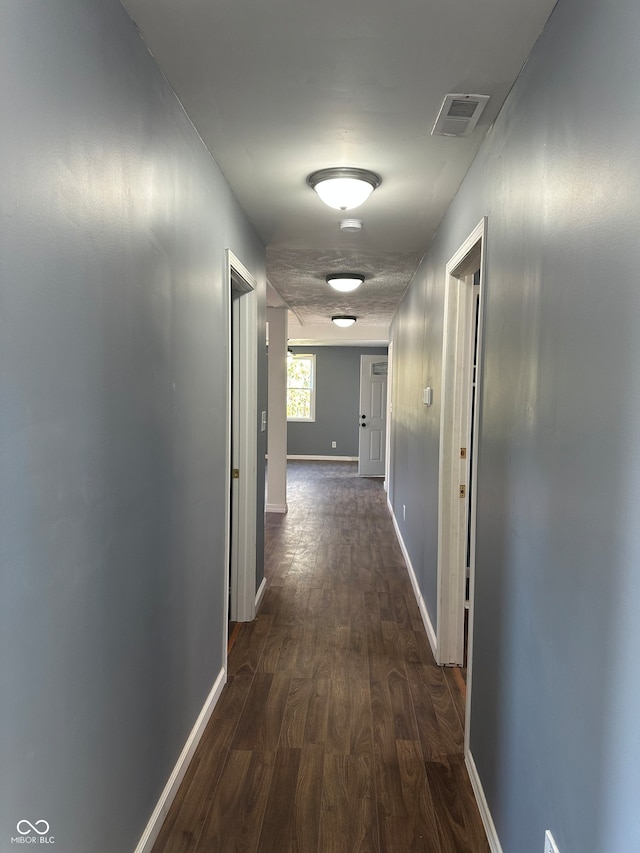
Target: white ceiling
{"points": [[279, 89]]}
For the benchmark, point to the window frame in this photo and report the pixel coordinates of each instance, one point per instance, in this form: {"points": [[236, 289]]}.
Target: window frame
{"points": [[299, 356]]}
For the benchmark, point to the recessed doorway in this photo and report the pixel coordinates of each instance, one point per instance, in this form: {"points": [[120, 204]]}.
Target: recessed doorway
{"points": [[242, 408], [461, 367]]}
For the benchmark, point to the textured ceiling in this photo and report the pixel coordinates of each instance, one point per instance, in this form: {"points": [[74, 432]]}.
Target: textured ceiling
{"points": [[299, 278], [279, 89]]}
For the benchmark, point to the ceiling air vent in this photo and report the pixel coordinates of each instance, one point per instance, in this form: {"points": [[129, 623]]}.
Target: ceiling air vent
{"points": [[459, 114]]}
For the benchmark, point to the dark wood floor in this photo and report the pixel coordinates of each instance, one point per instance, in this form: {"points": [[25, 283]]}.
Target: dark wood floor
{"points": [[336, 732]]}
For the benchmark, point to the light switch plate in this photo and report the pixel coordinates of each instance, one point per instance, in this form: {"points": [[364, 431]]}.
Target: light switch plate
{"points": [[550, 845]]}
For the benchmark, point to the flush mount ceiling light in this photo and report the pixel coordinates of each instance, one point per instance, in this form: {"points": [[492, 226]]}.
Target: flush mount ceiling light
{"points": [[351, 225], [345, 282], [343, 188], [343, 320]]}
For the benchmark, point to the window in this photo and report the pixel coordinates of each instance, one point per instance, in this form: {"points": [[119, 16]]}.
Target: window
{"points": [[301, 388]]}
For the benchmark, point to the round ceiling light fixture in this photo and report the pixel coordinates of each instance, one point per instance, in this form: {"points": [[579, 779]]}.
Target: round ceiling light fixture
{"points": [[345, 282], [351, 225], [343, 188], [343, 320]]}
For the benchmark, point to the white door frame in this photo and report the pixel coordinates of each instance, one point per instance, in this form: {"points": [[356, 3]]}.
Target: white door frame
{"points": [[241, 577], [364, 463], [454, 434], [388, 470]]}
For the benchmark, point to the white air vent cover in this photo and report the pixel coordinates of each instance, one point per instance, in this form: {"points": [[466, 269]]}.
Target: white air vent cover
{"points": [[459, 114]]}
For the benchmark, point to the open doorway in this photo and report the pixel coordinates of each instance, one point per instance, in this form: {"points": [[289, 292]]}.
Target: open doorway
{"points": [[461, 366], [388, 467], [242, 408]]}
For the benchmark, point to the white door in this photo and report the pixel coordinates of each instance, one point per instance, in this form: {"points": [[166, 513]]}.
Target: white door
{"points": [[242, 426], [236, 434], [388, 472], [461, 367], [373, 415]]}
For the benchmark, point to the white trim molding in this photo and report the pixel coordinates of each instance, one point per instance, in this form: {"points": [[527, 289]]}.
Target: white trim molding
{"points": [[455, 428], [483, 806], [260, 593], [277, 508], [152, 830], [242, 433], [322, 458], [424, 613]]}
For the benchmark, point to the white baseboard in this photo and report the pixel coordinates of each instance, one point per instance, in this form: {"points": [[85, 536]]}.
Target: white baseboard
{"points": [[161, 810], [483, 806], [261, 591], [323, 458], [277, 508], [424, 613]]}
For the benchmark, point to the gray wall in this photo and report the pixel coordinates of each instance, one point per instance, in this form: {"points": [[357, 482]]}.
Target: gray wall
{"points": [[337, 401], [115, 221], [554, 731]]}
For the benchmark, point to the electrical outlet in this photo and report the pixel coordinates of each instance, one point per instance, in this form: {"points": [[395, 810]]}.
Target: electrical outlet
{"points": [[550, 845], [404, 512], [333, 444]]}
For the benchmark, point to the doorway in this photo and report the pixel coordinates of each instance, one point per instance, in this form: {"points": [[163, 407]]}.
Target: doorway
{"points": [[461, 366], [241, 444], [388, 467], [373, 416]]}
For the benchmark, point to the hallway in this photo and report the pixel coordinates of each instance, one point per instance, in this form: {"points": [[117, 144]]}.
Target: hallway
{"points": [[336, 732]]}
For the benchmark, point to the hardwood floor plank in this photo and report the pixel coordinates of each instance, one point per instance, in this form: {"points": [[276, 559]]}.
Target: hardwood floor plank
{"points": [[317, 650], [400, 610], [457, 690], [322, 605], [277, 826], [318, 714], [415, 788], [351, 658], [305, 714], [235, 819], [440, 731], [247, 648], [384, 606], [284, 605], [349, 721], [290, 642], [337, 732], [347, 820], [259, 726], [270, 658], [404, 720], [183, 826], [415, 828], [308, 800], [459, 825], [388, 788], [434, 743], [406, 835]]}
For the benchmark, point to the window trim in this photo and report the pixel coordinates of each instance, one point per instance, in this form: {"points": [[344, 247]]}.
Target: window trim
{"points": [[312, 357]]}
